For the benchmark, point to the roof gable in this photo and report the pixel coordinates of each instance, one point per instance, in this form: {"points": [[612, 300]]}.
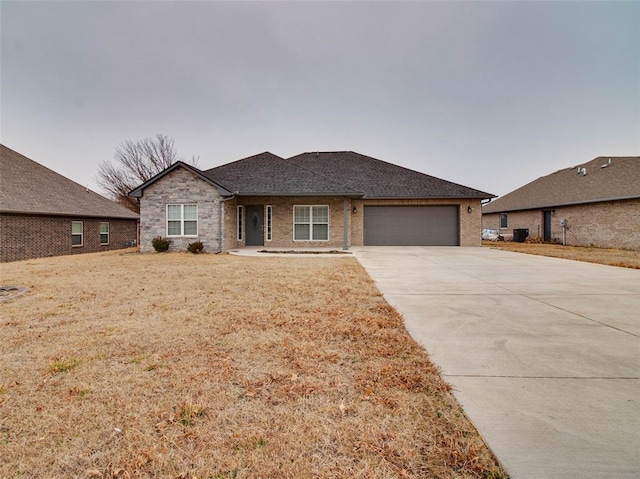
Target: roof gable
{"points": [[601, 179], [139, 191], [28, 187], [380, 179]]}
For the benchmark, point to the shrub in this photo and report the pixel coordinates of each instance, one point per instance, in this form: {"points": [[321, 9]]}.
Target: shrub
{"points": [[160, 244], [195, 247]]}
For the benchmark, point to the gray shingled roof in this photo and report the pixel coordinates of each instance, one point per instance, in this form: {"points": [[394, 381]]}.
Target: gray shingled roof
{"points": [[379, 179], [269, 174], [619, 179], [28, 187], [333, 173]]}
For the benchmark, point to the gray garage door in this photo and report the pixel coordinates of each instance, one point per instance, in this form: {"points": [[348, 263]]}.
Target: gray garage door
{"points": [[411, 226]]}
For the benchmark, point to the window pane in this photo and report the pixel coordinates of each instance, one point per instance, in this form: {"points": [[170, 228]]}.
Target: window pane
{"points": [[173, 212], [76, 227], [301, 214], [190, 212], [76, 240], [301, 232], [173, 228], [104, 239], [320, 232], [190, 228], [104, 228], [320, 214]]}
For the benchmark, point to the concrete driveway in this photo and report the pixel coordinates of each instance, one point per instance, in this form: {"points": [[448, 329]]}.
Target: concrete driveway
{"points": [[543, 353]]}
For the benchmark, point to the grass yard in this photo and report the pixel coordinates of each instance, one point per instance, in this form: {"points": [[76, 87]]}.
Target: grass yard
{"points": [[608, 256], [121, 365]]}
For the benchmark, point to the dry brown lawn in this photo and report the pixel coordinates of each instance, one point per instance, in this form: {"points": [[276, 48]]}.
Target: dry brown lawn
{"points": [[608, 256], [121, 365]]}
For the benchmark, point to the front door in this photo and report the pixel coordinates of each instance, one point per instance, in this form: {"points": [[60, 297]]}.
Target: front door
{"points": [[546, 230], [254, 226]]}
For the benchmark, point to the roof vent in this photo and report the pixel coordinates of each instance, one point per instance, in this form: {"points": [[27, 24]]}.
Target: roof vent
{"points": [[583, 171], [606, 164]]}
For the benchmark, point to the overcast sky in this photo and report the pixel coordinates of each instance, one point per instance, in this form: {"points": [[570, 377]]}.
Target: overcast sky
{"points": [[491, 95]]}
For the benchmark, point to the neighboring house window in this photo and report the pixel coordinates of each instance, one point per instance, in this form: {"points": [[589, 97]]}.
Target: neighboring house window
{"points": [[240, 217], [104, 232], [77, 233], [182, 220], [269, 223], [503, 220], [311, 223]]}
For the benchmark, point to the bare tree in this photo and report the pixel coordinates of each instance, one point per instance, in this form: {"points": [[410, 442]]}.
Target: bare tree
{"points": [[134, 163]]}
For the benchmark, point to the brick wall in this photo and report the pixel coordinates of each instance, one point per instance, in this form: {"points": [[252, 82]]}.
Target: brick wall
{"points": [[470, 223], [24, 237], [282, 220], [180, 187], [609, 224]]}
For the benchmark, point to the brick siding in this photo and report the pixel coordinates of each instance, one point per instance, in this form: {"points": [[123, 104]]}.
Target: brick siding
{"points": [[26, 236], [609, 224], [282, 221], [180, 187], [470, 234]]}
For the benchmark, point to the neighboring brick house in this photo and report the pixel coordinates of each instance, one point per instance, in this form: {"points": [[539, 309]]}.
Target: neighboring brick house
{"points": [[593, 204], [325, 199], [43, 213]]}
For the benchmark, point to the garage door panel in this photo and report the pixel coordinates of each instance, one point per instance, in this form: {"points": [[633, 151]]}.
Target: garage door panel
{"points": [[411, 226]]}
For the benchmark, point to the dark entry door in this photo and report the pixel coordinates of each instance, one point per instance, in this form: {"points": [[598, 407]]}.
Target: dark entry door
{"points": [[254, 226], [546, 230]]}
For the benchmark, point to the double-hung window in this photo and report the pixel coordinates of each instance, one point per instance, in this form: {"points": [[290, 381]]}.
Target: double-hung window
{"points": [[77, 233], [104, 233], [311, 223], [503, 220], [182, 220]]}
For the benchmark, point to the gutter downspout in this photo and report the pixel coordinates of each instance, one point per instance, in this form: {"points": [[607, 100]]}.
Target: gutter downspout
{"points": [[220, 221], [345, 224]]}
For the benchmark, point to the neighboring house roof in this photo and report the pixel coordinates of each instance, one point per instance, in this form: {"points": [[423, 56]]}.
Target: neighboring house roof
{"points": [[601, 179], [27, 187], [137, 192], [379, 179]]}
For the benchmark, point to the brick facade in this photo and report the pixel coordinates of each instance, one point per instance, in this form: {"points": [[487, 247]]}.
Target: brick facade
{"points": [[217, 218], [608, 224], [469, 223], [180, 187], [282, 220], [32, 236]]}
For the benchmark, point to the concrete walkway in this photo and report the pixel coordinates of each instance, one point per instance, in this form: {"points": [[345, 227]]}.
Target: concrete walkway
{"points": [[543, 353]]}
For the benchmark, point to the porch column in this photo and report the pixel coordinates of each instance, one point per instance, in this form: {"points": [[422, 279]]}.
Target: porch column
{"points": [[345, 225]]}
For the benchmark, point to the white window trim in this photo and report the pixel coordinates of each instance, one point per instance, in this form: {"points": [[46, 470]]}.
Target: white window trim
{"points": [[268, 211], [239, 223], [182, 220], [311, 223], [108, 233], [75, 234]]}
